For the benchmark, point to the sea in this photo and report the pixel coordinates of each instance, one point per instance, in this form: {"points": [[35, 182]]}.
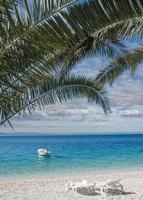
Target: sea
{"points": [[70, 154]]}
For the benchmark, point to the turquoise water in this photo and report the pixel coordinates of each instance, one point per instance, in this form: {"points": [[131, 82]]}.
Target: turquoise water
{"points": [[18, 154]]}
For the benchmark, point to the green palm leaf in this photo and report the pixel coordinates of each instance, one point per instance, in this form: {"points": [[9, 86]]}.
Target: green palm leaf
{"points": [[44, 91], [43, 36], [66, 29], [128, 61]]}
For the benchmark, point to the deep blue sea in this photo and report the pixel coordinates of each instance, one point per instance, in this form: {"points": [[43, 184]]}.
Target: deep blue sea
{"points": [[18, 154]]}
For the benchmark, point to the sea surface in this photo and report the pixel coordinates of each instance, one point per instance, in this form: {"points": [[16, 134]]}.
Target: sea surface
{"points": [[75, 153]]}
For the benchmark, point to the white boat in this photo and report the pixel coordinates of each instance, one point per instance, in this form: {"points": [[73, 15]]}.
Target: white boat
{"points": [[44, 152]]}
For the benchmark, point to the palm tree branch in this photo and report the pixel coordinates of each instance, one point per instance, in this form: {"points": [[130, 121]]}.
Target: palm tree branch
{"points": [[128, 61], [61, 90], [27, 30]]}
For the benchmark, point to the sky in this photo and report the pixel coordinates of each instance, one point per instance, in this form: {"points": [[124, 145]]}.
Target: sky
{"points": [[80, 117]]}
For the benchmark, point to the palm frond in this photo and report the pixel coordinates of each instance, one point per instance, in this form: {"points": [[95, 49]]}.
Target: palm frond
{"points": [[65, 29], [128, 61], [47, 35], [44, 91]]}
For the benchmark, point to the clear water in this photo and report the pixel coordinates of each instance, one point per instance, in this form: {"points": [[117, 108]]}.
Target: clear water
{"points": [[18, 154]]}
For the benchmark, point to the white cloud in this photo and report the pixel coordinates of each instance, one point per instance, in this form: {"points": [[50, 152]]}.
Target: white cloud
{"points": [[135, 111], [127, 94]]}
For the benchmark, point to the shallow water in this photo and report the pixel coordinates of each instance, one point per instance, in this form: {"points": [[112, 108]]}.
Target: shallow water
{"points": [[18, 154]]}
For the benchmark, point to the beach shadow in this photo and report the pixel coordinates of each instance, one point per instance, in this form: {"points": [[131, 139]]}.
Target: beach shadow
{"points": [[118, 192], [87, 192], [127, 193], [91, 192]]}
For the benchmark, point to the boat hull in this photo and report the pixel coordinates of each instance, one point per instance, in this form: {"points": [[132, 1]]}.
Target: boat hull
{"points": [[44, 152]]}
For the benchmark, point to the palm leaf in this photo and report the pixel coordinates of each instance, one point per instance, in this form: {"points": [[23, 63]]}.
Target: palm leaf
{"points": [[128, 61], [70, 29], [56, 35], [44, 91]]}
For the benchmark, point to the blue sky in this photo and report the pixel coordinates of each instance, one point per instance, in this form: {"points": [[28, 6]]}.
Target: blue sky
{"points": [[78, 116]]}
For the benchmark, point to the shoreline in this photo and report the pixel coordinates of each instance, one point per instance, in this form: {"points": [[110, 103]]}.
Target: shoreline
{"points": [[53, 187], [72, 173]]}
